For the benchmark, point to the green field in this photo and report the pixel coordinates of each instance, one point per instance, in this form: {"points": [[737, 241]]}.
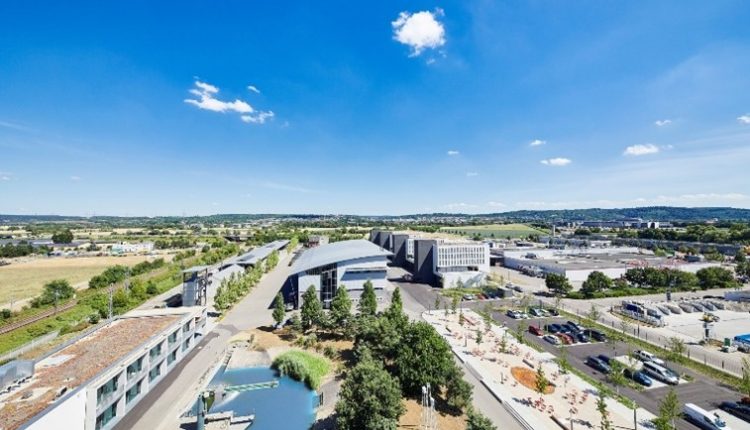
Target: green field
{"points": [[498, 231]]}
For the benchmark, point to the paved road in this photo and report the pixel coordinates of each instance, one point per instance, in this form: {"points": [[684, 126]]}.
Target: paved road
{"points": [[419, 297], [162, 406]]}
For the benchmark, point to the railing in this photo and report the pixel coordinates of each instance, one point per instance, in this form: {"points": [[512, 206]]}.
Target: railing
{"points": [[29, 346]]}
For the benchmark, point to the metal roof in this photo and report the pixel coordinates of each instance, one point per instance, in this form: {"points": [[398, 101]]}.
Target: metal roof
{"points": [[337, 251]]}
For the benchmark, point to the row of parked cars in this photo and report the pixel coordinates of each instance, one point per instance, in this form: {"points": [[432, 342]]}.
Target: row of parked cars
{"points": [[653, 368], [486, 295], [568, 333], [532, 313]]}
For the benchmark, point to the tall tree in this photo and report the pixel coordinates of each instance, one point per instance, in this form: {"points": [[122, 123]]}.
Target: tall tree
{"points": [[541, 382], [368, 303], [423, 356], [311, 310], [341, 308], [278, 309], [615, 375], [63, 236], [397, 305], [596, 282], [558, 284], [370, 398]]}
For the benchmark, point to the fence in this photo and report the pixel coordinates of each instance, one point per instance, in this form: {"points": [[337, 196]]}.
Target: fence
{"points": [[29, 346]]}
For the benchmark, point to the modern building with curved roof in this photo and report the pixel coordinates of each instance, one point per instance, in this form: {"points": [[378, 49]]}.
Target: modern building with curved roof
{"points": [[348, 263]]}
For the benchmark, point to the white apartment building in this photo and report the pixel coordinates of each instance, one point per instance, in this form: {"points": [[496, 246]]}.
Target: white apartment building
{"points": [[466, 263], [92, 382]]}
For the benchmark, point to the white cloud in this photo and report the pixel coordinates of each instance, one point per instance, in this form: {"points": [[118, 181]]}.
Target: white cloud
{"points": [[452, 152], [537, 142], [259, 118], [744, 119], [462, 205], [662, 122], [75, 178], [637, 150], [496, 204], [472, 174], [206, 100], [6, 176], [420, 30], [253, 88], [556, 161]]}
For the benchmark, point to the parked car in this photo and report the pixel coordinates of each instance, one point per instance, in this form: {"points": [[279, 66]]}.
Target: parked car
{"points": [[604, 358], [552, 328], [518, 288], [481, 296], [598, 364], [638, 376], [513, 314], [646, 356], [564, 328], [469, 297], [738, 410], [524, 315], [596, 335], [564, 338], [654, 370], [575, 326], [582, 337], [551, 339], [570, 328], [553, 312], [536, 331], [536, 312], [703, 418]]}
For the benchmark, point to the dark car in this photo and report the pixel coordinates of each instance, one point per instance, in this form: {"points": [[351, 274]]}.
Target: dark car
{"points": [[638, 376], [604, 358], [598, 364], [553, 312], [536, 331], [596, 335], [564, 329], [575, 326], [738, 410], [582, 337], [571, 328], [553, 328]]}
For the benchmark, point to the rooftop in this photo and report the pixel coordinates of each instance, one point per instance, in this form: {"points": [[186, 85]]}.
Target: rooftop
{"points": [[75, 364], [337, 251]]}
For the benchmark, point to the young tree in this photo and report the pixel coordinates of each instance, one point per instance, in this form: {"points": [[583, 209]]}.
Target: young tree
{"points": [[601, 406], [520, 331], [615, 376], [454, 304], [370, 398], [341, 308], [479, 337], [745, 383], [669, 410], [563, 361], [437, 301], [675, 349], [311, 310], [625, 327], [593, 314], [368, 303], [504, 343], [461, 318], [541, 383], [476, 421], [278, 309]]}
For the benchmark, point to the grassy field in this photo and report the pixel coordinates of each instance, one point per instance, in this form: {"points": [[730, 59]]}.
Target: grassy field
{"points": [[26, 279], [498, 231]]}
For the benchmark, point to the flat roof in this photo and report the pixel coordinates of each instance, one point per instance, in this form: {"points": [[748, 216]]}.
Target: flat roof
{"points": [[256, 254], [76, 364], [338, 251]]}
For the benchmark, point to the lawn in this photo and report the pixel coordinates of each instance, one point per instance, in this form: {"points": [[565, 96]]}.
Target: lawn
{"points": [[303, 366], [499, 231], [26, 279]]}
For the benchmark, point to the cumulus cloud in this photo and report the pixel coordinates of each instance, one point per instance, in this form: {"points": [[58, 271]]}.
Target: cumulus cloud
{"points": [[75, 178], [453, 152], [744, 119], [637, 150], [472, 174], [420, 30], [461, 205], [559, 161], [206, 99], [253, 88], [6, 176], [537, 142], [662, 122], [259, 118], [496, 204]]}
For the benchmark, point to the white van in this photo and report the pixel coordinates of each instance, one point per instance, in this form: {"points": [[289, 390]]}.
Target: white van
{"points": [[646, 356], [660, 373], [703, 418]]}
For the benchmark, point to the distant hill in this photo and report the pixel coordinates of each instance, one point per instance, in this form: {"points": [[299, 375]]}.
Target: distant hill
{"points": [[656, 213]]}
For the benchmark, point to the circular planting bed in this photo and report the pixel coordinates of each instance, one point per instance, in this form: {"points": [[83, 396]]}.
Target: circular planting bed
{"points": [[527, 378]]}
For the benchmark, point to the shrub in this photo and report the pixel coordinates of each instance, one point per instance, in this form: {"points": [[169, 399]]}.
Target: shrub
{"points": [[302, 366]]}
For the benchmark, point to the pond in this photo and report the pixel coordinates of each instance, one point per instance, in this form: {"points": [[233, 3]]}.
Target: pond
{"points": [[291, 405]]}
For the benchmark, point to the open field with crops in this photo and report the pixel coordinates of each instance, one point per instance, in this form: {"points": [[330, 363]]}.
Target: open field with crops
{"points": [[26, 279], [498, 231]]}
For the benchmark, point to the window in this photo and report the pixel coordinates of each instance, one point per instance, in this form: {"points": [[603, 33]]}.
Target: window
{"points": [[105, 391], [135, 367], [155, 351], [173, 338], [105, 417], [133, 392], [172, 357], [155, 372], [186, 345], [186, 327]]}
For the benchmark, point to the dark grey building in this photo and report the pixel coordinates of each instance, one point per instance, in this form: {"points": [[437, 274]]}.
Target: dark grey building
{"points": [[424, 269]]}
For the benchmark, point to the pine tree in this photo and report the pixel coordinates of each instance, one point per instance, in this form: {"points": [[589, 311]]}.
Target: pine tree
{"points": [[368, 303], [278, 309]]}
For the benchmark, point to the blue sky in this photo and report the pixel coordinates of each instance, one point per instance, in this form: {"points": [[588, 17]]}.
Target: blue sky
{"points": [[139, 108]]}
